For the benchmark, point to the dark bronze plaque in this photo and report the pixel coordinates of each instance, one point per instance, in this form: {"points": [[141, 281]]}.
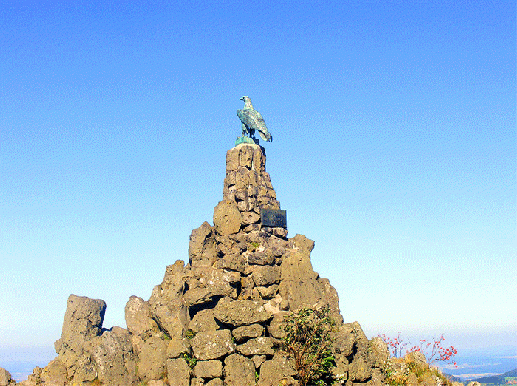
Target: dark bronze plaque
{"points": [[273, 218]]}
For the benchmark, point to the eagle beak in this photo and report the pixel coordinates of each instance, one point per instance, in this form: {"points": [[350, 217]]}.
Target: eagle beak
{"points": [[242, 98]]}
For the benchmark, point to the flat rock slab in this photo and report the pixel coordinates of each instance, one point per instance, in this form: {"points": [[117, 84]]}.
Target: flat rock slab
{"points": [[241, 312], [209, 345]]}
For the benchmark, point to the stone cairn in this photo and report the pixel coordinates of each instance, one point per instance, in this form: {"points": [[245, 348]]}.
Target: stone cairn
{"points": [[217, 320]]}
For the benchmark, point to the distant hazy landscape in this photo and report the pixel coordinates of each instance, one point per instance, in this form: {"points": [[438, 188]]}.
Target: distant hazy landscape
{"points": [[477, 363]]}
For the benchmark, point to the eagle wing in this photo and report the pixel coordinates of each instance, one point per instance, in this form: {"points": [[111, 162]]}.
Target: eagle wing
{"points": [[253, 120]]}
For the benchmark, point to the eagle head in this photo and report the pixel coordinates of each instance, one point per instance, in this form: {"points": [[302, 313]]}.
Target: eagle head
{"points": [[247, 102]]}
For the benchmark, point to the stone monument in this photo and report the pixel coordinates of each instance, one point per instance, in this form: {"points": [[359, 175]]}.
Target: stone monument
{"points": [[216, 320]]}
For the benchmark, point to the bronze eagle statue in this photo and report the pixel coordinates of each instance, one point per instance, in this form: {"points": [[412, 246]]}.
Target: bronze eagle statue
{"points": [[252, 120]]}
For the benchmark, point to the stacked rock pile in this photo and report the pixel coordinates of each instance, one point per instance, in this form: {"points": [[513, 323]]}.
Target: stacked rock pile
{"points": [[218, 319]]}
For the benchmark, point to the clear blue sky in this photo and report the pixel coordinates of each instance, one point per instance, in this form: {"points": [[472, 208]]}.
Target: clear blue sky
{"points": [[394, 127]]}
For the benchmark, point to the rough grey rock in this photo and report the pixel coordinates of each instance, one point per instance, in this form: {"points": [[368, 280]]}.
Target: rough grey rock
{"points": [[208, 369], [245, 332], [114, 358], [203, 321], [152, 359], [239, 371], [202, 249], [258, 346], [208, 345], [178, 372], [273, 371], [232, 261], [241, 281], [178, 346], [167, 308], [227, 218], [215, 382], [359, 370], [261, 258], [275, 326], [241, 312], [82, 322], [139, 319], [379, 353], [266, 275], [155, 382]]}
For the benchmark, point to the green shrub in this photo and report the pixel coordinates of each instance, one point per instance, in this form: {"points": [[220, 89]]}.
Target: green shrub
{"points": [[308, 340]]}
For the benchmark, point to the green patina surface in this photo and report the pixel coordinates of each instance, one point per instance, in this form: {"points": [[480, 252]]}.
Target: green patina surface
{"points": [[245, 139]]}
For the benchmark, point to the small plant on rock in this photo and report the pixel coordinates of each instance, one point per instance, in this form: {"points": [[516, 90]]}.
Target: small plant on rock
{"points": [[191, 361], [308, 340], [189, 334]]}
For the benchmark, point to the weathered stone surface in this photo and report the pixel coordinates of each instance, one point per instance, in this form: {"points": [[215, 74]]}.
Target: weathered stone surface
{"points": [[258, 346], [33, 379], [241, 312], [247, 183], [212, 344], [275, 327], [5, 378], [82, 322], [197, 382], [239, 371], [250, 218], [155, 382], [349, 338], [378, 352], [178, 372], [208, 369], [166, 305], [218, 282], [114, 357], [416, 357], [234, 262], [152, 359], [268, 292], [245, 332], [227, 218], [199, 296], [172, 315], [266, 275], [177, 346], [138, 318], [261, 258], [215, 382], [202, 247], [300, 285], [279, 368], [359, 370], [203, 321]]}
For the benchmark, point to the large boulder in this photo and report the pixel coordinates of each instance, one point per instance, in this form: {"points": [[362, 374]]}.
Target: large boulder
{"points": [[178, 372], [208, 345], [139, 319], [82, 322], [239, 371], [208, 369], [152, 359], [227, 218], [114, 358], [276, 370]]}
